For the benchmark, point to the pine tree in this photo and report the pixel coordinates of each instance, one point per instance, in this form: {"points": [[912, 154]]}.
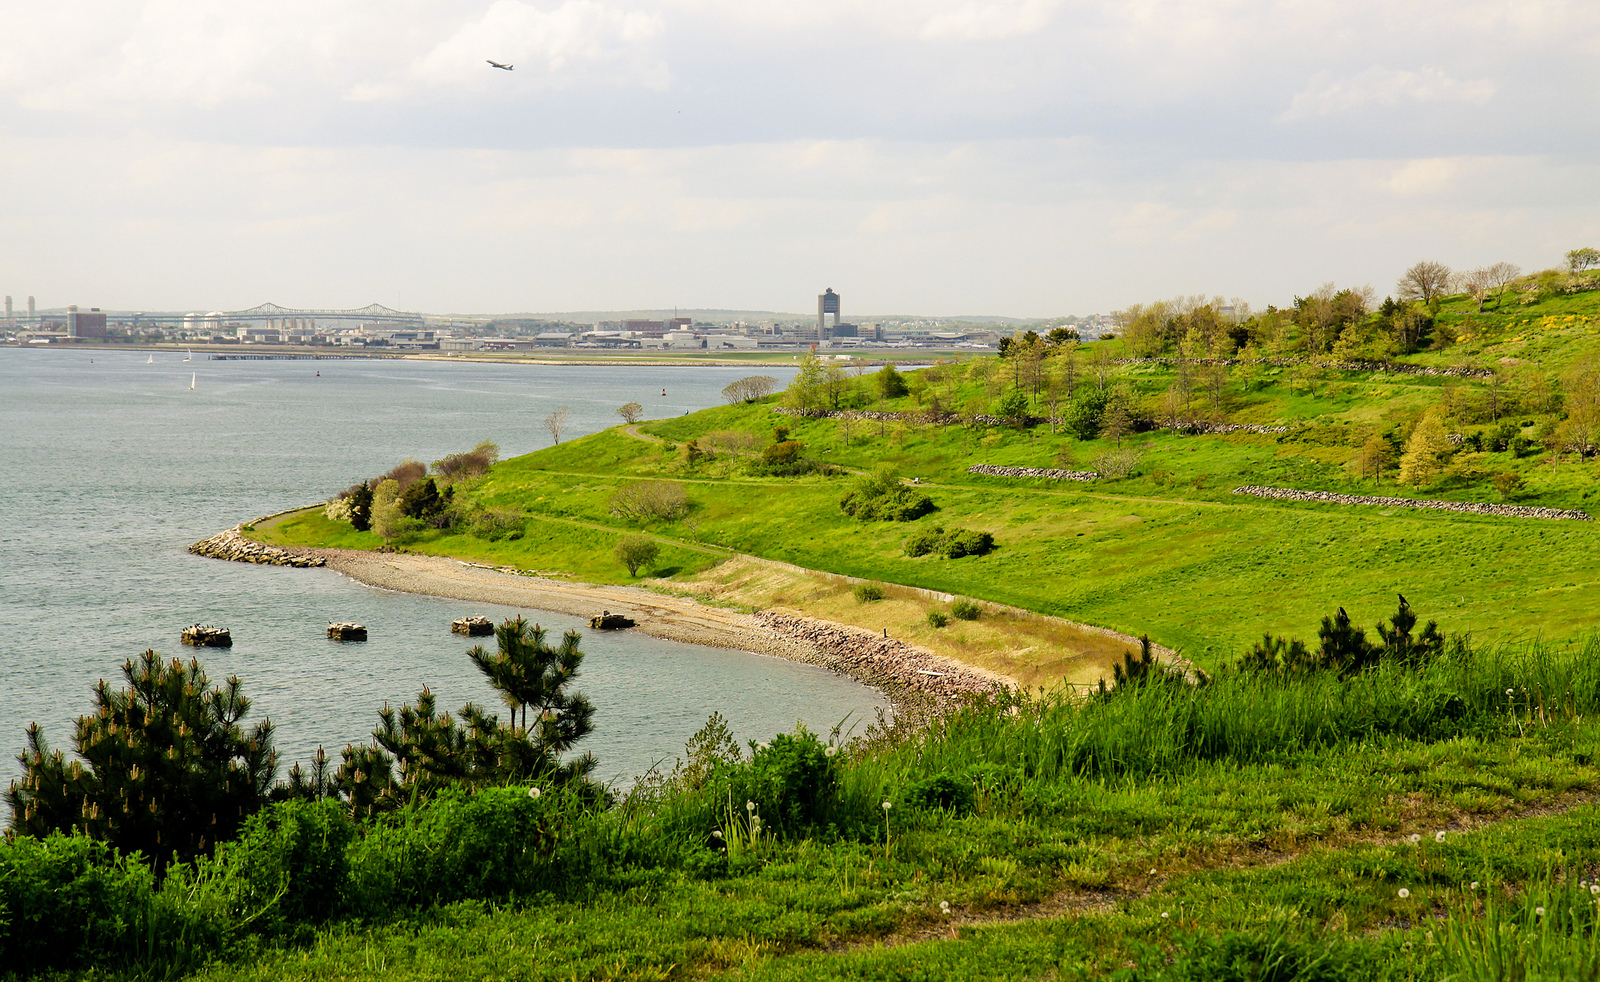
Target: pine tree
{"points": [[170, 771]]}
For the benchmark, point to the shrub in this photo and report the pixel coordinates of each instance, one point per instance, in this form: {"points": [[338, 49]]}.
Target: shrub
{"points": [[793, 781], [782, 454], [937, 618], [1508, 485], [951, 544], [67, 900], [498, 523], [868, 592], [880, 496], [635, 551], [965, 610], [1117, 464], [650, 501], [472, 463], [405, 474], [481, 844], [296, 852]]}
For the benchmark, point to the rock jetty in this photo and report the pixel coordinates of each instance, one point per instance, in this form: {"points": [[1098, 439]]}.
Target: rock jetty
{"points": [[898, 668], [1463, 507], [473, 627], [206, 636], [1050, 473], [347, 632], [233, 546]]}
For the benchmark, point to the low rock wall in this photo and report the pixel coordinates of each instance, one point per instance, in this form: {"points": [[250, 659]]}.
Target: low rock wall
{"points": [[1464, 507], [1050, 473], [887, 663], [234, 547]]}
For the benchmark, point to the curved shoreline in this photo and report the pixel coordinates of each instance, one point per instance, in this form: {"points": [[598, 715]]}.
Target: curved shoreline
{"points": [[915, 680]]}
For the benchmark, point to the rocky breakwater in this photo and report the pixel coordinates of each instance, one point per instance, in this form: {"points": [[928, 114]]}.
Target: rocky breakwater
{"points": [[908, 674], [1463, 507], [234, 547], [1049, 473]]}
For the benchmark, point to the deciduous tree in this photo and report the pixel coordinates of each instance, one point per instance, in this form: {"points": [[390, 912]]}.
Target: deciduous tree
{"points": [[1426, 281], [632, 412], [556, 423]]}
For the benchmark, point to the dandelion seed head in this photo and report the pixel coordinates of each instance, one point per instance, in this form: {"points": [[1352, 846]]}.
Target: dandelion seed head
{"points": [[533, 792], [1474, 885], [1438, 836], [1164, 915], [1594, 889], [1404, 893], [829, 752], [1511, 692], [749, 806], [1415, 838], [1538, 911], [886, 806], [944, 906], [1152, 871]]}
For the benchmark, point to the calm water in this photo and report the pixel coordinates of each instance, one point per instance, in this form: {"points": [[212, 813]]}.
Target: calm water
{"points": [[113, 466]]}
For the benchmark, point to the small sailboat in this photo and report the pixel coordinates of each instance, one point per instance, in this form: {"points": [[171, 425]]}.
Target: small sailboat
{"points": [[192, 380], [151, 360], [188, 355]]}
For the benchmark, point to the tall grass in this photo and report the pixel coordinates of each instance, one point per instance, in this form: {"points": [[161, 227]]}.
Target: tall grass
{"points": [[1249, 719], [1550, 931]]}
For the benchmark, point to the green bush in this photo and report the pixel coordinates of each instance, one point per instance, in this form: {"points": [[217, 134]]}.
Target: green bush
{"points": [[792, 781], [464, 844], [951, 544], [880, 496], [937, 618], [296, 852], [966, 610], [868, 592], [67, 901]]}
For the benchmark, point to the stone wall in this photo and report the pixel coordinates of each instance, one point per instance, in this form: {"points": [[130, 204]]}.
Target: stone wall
{"points": [[1464, 507], [234, 547], [1049, 473]]}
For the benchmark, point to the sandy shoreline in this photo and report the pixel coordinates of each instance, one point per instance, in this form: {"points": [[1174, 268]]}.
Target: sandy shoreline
{"points": [[914, 679]]}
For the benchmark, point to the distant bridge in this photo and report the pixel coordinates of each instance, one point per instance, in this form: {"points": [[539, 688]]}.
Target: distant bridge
{"points": [[372, 313]]}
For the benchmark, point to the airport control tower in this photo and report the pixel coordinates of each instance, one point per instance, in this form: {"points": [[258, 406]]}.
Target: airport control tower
{"points": [[827, 303]]}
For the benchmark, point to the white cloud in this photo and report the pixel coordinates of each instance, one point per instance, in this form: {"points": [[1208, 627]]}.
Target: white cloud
{"points": [[1385, 87]]}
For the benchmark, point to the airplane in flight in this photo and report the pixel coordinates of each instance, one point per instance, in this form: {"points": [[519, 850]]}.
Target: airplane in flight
{"points": [[498, 65]]}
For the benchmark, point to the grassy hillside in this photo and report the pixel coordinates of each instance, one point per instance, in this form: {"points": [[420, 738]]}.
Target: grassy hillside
{"points": [[1168, 550]]}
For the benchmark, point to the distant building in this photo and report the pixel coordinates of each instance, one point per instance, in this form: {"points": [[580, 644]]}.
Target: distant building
{"points": [[85, 324], [680, 324], [646, 327], [827, 303]]}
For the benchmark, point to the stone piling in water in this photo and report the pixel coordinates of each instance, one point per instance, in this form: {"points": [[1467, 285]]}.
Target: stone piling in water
{"points": [[475, 626], [206, 636], [233, 546], [347, 632]]}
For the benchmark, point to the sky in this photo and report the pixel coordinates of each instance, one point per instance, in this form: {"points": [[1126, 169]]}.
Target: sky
{"points": [[1024, 158]]}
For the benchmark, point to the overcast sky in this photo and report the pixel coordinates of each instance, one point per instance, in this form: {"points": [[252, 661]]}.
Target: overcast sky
{"points": [[1016, 157]]}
